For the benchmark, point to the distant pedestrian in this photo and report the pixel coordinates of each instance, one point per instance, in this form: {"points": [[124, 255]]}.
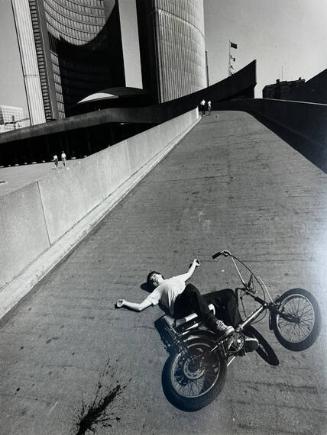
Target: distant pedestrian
{"points": [[56, 161], [203, 107], [63, 158], [209, 107]]}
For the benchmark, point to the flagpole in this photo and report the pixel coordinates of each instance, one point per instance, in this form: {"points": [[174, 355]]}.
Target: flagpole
{"points": [[230, 57], [229, 68]]}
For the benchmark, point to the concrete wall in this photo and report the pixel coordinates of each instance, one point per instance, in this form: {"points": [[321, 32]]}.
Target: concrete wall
{"points": [[307, 119], [302, 124], [42, 222], [23, 231]]}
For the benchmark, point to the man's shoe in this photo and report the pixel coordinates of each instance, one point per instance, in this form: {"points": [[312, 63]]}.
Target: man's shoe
{"points": [[223, 330], [251, 344]]}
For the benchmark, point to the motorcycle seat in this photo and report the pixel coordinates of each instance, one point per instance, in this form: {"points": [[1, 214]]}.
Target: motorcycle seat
{"points": [[175, 323]]}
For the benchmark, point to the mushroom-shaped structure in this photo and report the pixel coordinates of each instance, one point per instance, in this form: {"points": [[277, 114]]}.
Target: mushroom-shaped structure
{"points": [[114, 97]]}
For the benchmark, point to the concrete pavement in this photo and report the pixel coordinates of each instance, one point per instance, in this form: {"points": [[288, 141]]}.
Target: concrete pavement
{"points": [[230, 184], [14, 177]]}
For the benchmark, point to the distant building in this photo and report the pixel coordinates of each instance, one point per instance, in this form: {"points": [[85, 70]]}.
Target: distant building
{"points": [[11, 117], [314, 90], [282, 90], [29, 63], [172, 47]]}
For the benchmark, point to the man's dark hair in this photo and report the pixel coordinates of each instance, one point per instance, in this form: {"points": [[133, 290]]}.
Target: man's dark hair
{"points": [[149, 279]]}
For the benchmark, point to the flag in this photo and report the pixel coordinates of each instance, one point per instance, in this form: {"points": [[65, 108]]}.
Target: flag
{"points": [[233, 45]]}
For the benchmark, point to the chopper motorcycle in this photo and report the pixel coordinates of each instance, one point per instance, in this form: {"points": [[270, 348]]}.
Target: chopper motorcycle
{"points": [[195, 371]]}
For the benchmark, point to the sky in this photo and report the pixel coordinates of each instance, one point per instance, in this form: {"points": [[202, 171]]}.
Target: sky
{"points": [[287, 37]]}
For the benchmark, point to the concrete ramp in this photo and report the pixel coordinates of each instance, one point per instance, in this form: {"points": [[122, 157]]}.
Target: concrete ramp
{"points": [[229, 184], [41, 222]]}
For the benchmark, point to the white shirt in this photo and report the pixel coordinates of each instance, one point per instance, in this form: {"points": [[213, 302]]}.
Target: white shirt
{"points": [[167, 292]]}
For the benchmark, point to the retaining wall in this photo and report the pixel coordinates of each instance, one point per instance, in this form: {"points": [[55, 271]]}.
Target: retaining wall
{"points": [[307, 119], [302, 124], [42, 222]]}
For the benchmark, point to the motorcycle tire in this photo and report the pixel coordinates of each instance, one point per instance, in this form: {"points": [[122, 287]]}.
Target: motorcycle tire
{"points": [[301, 332], [192, 379]]}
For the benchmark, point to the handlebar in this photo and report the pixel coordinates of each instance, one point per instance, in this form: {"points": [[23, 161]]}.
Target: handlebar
{"points": [[224, 253], [247, 286], [253, 284]]}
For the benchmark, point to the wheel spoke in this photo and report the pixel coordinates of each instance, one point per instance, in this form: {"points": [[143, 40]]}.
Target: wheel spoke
{"points": [[307, 310], [193, 377], [298, 305]]}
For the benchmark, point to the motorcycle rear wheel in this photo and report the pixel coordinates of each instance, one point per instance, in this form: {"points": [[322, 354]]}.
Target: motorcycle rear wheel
{"points": [[193, 379], [297, 324]]}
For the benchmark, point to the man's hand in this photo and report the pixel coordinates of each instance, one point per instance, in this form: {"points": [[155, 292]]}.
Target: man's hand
{"points": [[196, 262], [120, 303]]}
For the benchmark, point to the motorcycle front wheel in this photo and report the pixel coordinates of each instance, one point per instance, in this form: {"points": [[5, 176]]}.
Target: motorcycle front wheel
{"points": [[193, 378], [296, 324]]}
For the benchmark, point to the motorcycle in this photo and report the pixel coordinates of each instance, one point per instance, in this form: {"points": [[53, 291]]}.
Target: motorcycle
{"points": [[195, 372]]}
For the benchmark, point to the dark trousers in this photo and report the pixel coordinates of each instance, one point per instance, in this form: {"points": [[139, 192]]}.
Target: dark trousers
{"points": [[225, 303]]}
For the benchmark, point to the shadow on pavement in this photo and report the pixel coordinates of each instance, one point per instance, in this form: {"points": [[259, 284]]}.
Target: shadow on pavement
{"points": [[265, 351]]}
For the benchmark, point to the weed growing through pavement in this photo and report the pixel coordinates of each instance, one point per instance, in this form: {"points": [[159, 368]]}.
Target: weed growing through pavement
{"points": [[104, 408]]}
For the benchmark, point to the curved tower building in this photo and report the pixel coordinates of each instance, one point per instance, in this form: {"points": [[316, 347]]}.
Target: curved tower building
{"points": [[83, 36], [172, 46], [77, 47], [73, 48]]}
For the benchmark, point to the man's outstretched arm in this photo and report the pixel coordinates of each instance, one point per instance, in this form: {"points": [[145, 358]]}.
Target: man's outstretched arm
{"points": [[152, 299], [189, 273], [134, 305]]}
